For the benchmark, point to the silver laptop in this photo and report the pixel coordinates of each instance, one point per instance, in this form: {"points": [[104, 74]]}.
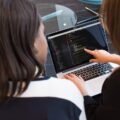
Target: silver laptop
{"points": [[68, 55]]}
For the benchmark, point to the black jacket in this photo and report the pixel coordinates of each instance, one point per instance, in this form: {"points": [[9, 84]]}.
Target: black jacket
{"points": [[108, 107]]}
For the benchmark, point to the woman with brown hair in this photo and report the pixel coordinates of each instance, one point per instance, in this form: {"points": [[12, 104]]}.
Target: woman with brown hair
{"points": [[25, 94], [109, 106]]}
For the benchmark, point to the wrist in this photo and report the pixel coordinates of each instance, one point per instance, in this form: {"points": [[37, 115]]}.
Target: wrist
{"points": [[83, 90], [85, 93], [115, 59]]}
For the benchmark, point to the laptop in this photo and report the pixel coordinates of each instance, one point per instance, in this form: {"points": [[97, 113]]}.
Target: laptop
{"points": [[68, 55]]}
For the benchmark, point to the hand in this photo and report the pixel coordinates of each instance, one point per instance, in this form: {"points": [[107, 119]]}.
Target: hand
{"points": [[101, 56], [78, 81]]}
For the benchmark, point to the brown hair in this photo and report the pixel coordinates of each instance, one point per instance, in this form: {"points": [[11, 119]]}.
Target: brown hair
{"points": [[19, 24], [111, 18]]}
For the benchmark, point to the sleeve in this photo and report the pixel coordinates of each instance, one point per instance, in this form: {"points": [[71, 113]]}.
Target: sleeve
{"points": [[90, 106]]}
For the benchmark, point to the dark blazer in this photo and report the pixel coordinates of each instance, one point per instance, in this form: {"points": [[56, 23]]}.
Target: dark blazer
{"points": [[108, 108]]}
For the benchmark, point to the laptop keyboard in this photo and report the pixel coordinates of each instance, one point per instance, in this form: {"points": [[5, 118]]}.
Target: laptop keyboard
{"points": [[93, 71]]}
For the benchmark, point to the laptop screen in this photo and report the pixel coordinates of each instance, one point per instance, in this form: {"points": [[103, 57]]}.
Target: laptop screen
{"points": [[67, 48]]}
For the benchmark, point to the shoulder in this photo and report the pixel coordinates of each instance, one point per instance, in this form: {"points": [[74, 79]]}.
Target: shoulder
{"points": [[112, 83], [54, 87], [111, 90], [116, 73], [114, 77]]}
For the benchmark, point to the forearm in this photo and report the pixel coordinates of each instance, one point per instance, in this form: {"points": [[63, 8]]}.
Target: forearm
{"points": [[81, 88]]}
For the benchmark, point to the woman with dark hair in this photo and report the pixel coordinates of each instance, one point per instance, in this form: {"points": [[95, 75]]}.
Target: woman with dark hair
{"points": [[24, 93], [109, 106]]}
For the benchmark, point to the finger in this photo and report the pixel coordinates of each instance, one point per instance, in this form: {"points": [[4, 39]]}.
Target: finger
{"points": [[67, 76], [93, 60], [74, 76], [90, 52], [80, 77]]}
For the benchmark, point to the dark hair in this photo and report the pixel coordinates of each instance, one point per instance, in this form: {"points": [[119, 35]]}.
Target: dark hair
{"points": [[19, 24], [111, 18]]}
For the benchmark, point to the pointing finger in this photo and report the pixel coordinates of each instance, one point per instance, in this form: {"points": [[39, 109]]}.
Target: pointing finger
{"points": [[90, 52]]}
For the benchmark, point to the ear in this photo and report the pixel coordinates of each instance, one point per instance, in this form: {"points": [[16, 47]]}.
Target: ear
{"points": [[35, 47], [35, 44]]}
